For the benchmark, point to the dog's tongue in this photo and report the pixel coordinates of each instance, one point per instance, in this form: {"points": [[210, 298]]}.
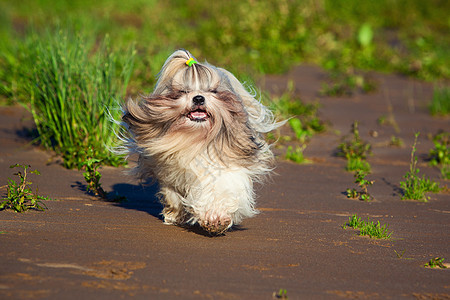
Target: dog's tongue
{"points": [[198, 114]]}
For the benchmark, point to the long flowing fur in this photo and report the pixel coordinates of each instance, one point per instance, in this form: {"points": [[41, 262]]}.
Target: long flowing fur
{"points": [[205, 166]]}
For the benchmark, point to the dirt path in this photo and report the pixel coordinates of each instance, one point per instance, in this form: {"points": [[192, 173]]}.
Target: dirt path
{"points": [[82, 248]]}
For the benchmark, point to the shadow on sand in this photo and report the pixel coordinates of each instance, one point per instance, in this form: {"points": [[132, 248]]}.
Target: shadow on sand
{"points": [[143, 198], [139, 197]]}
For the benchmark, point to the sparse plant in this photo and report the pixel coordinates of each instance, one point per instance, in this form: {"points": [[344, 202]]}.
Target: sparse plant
{"points": [[363, 183], [355, 151], [399, 255], [303, 118], [414, 187], [440, 155], [297, 154], [368, 228], [93, 176], [20, 197], [440, 103], [282, 294], [346, 82], [396, 141], [353, 222], [436, 262], [300, 131]]}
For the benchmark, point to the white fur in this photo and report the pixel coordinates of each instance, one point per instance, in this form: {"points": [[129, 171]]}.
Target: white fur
{"points": [[205, 167]]}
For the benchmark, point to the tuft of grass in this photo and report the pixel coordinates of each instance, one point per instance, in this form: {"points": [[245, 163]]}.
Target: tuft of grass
{"points": [[440, 103], [363, 183], [20, 197], [414, 187], [436, 262], [355, 150], [297, 155], [282, 294], [73, 88], [368, 228], [440, 155]]}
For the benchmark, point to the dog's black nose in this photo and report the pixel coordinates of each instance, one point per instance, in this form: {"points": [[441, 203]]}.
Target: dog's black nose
{"points": [[199, 100]]}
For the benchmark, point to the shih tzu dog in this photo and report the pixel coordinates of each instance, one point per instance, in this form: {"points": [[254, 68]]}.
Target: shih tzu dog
{"points": [[199, 134]]}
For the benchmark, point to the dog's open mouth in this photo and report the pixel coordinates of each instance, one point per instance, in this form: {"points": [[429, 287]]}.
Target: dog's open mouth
{"points": [[198, 115]]}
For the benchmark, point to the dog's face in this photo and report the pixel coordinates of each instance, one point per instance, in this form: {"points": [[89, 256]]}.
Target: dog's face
{"points": [[199, 97]]}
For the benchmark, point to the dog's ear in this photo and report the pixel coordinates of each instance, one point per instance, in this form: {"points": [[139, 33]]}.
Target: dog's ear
{"points": [[260, 117]]}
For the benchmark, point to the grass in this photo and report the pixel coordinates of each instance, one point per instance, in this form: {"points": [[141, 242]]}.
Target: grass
{"points": [[436, 262], [20, 197], [407, 36], [368, 228], [414, 187], [440, 103], [355, 150], [396, 142], [74, 90], [440, 154], [296, 155], [282, 294], [363, 183], [303, 117]]}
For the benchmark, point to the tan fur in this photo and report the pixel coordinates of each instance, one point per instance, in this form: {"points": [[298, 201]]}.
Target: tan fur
{"points": [[205, 166]]}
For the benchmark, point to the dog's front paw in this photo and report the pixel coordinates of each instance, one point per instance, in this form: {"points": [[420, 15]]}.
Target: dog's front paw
{"points": [[216, 224], [173, 216]]}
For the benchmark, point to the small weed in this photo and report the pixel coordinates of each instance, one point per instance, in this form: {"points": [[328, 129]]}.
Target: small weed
{"points": [[93, 176], [440, 104], [355, 151], [282, 294], [303, 118], [368, 228], [440, 155], [297, 154], [353, 222], [437, 262], [414, 187], [360, 179], [400, 255], [20, 197], [355, 164], [302, 133], [396, 142], [346, 83]]}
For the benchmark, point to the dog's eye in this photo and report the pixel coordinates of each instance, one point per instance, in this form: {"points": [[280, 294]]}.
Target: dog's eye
{"points": [[214, 91]]}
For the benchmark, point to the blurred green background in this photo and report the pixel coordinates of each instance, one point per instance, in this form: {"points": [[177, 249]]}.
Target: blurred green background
{"points": [[55, 53], [252, 37]]}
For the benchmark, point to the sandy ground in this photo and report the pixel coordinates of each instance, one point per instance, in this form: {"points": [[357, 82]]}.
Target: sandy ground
{"points": [[84, 248]]}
